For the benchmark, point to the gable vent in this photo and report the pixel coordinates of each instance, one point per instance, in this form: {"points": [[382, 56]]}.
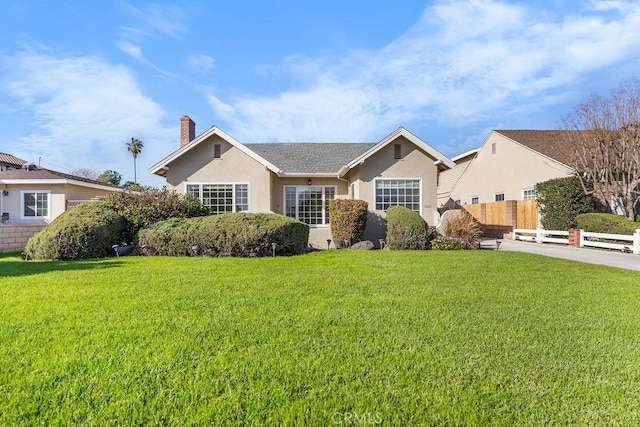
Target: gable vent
{"points": [[397, 151]]}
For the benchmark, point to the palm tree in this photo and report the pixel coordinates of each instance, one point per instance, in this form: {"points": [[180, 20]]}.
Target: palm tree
{"points": [[135, 148]]}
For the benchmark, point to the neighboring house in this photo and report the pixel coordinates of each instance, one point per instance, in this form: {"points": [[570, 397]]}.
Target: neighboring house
{"points": [[7, 161], [448, 178], [507, 166], [36, 196], [299, 179]]}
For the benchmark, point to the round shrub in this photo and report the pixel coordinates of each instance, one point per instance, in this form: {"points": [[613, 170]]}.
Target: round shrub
{"points": [[348, 219], [407, 230], [606, 223], [86, 231], [233, 234]]}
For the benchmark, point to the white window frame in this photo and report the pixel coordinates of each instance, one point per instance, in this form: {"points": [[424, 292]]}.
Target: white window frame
{"points": [[524, 190], [375, 186], [233, 184], [22, 204], [325, 214], [495, 196], [477, 202]]}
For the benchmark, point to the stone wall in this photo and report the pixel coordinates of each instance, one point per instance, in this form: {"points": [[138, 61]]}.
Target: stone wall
{"points": [[13, 238]]}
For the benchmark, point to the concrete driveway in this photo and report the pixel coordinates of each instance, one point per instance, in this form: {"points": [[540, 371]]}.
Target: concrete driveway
{"points": [[591, 256]]}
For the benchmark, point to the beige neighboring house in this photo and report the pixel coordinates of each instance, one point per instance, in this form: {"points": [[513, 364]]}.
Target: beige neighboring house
{"points": [[32, 195], [507, 166], [299, 179]]}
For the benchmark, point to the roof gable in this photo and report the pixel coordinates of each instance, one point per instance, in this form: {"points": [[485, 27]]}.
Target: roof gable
{"points": [[555, 144], [438, 156]]}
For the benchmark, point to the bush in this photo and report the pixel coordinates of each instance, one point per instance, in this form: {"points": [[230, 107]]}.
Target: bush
{"points": [[150, 206], [606, 223], [450, 243], [348, 219], [86, 231], [407, 230], [560, 200], [463, 226], [233, 234]]}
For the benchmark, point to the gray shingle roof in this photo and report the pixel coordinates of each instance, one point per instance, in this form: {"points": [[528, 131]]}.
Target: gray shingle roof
{"points": [[310, 157]]}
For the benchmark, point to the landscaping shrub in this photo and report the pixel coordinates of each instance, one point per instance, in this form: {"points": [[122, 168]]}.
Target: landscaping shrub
{"points": [[233, 234], [348, 219], [407, 230], [144, 208], [560, 200], [606, 223], [450, 243], [86, 231], [463, 226]]}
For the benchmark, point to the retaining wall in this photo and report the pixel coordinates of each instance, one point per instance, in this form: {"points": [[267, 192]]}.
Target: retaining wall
{"points": [[13, 238]]}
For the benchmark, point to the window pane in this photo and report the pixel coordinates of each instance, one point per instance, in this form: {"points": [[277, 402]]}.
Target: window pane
{"points": [[242, 197], [218, 197], [194, 190], [36, 204], [290, 201], [398, 192]]}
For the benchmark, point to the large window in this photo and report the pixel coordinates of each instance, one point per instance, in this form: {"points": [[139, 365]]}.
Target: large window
{"points": [[35, 204], [221, 198], [398, 192], [309, 204]]}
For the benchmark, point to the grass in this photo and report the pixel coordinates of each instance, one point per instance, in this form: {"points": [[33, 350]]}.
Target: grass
{"points": [[338, 337]]}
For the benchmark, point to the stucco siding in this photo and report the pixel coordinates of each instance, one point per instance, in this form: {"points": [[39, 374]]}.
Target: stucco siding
{"points": [[199, 166], [504, 166]]}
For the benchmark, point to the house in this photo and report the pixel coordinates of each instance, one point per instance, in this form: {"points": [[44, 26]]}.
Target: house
{"points": [[507, 166], [299, 179], [32, 195], [7, 161]]}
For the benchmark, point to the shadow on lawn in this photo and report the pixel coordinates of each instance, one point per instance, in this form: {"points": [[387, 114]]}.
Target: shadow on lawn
{"points": [[11, 265]]}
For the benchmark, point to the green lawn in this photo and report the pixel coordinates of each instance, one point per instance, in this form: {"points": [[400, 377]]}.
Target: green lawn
{"points": [[338, 337]]}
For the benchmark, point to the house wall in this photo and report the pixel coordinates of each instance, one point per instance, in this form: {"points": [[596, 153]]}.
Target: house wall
{"points": [[59, 194], [510, 170], [415, 163], [199, 166]]}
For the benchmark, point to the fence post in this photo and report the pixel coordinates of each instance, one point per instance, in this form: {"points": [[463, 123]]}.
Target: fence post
{"points": [[636, 242], [539, 235], [575, 237], [581, 231]]}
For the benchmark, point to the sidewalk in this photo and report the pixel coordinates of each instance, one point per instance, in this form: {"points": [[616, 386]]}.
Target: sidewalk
{"points": [[591, 256]]}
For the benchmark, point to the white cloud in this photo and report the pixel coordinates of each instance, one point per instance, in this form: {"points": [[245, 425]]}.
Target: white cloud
{"points": [[83, 111], [167, 19], [462, 62], [200, 63]]}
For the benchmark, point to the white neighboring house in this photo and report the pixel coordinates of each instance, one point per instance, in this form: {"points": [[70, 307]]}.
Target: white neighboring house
{"points": [[36, 196]]}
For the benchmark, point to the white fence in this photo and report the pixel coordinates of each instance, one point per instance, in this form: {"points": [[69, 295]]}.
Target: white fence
{"points": [[621, 242], [541, 236]]}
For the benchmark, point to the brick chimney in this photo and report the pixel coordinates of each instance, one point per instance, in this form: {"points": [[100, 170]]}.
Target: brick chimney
{"points": [[187, 130]]}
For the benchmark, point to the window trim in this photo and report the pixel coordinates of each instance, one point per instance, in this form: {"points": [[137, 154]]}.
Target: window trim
{"points": [[22, 204], [495, 196], [529, 189], [234, 184], [325, 222], [477, 202], [375, 185]]}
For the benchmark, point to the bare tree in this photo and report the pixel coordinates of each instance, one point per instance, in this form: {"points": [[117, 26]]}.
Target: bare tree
{"points": [[86, 173], [606, 146]]}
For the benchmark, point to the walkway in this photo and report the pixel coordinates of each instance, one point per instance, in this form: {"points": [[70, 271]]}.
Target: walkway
{"points": [[591, 256]]}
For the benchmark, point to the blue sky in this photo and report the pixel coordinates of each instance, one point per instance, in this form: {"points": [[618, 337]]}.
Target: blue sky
{"points": [[78, 79]]}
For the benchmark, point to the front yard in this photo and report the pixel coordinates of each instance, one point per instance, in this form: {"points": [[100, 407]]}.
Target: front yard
{"points": [[392, 337]]}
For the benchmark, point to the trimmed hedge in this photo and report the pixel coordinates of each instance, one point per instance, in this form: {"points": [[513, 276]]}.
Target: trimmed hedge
{"points": [[233, 234], [144, 208], [606, 223], [560, 200], [348, 219], [407, 230], [86, 231]]}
